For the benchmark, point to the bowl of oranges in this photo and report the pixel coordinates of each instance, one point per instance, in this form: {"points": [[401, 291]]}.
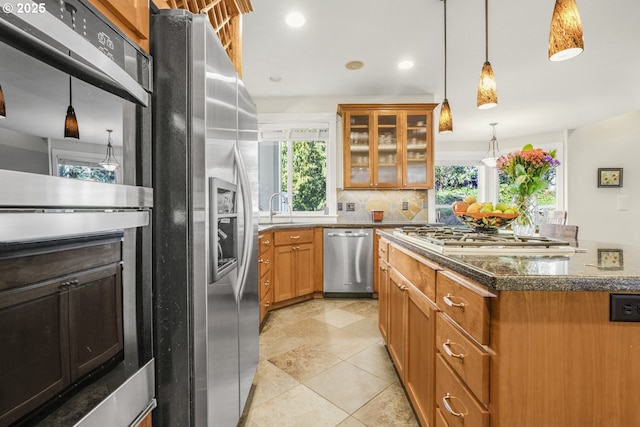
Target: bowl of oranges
{"points": [[484, 216]]}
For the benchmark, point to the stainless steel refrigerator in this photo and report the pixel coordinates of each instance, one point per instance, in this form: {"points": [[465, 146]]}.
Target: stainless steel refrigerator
{"points": [[205, 225]]}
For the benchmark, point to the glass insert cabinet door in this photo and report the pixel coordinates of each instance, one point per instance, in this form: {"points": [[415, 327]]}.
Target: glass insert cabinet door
{"points": [[359, 148], [418, 150], [386, 154]]}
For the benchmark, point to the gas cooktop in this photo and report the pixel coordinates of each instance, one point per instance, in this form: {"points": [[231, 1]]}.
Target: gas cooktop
{"points": [[462, 240]]}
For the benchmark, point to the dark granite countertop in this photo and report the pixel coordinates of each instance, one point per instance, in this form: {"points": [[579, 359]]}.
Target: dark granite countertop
{"points": [[596, 266], [367, 224]]}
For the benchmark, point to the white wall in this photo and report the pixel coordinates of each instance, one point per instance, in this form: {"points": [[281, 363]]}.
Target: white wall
{"points": [[610, 143]]}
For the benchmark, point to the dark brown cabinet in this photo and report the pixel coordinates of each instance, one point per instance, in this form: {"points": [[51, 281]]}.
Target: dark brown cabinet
{"points": [[56, 330]]}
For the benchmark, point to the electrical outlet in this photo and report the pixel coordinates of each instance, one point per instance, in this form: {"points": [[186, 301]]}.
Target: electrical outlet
{"points": [[339, 206], [624, 308], [405, 206], [351, 207]]}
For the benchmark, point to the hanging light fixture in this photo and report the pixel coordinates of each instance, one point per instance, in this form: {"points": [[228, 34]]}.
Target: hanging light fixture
{"points": [[493, 153], [71, 122], [565, 36], [3, 108], [487, 92], [445, 123], [110, 162]]}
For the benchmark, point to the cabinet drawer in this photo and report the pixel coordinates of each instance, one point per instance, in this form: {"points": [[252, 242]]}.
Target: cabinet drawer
{"points": [[455, 401], [468, 360], [265, 282], [466, 303], [383, 250], [288, 237], [417, 270], [265, 243], [265, 303]]}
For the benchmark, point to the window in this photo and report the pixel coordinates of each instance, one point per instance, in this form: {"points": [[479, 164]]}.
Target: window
{"points": [[294, 160], [458, 174], [83, 166]]}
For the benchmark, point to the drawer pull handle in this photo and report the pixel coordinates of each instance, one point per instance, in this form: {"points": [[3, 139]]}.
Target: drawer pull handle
{"points": [[264, 261], [447, 300], [267, 283], [383, 268], [267, 304], [266, 242], [445, 401], [445, 346], [294, 237], [383, 250]]}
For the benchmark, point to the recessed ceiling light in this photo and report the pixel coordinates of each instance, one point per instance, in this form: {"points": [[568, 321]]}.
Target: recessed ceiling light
{"points": [[275, 79], [354, 65], [295, 19], [405, 65]]}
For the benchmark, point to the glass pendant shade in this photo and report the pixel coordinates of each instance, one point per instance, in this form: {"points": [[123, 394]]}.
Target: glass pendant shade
{"points": [[565, 36], [110, 162], [491, 157], [487, 91], [445, 124], [71, 129], [71, 124], [3, 108]]}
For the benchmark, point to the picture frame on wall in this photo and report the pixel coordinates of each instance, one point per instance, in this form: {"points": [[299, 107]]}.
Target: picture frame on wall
{"points": [[610, 177]]}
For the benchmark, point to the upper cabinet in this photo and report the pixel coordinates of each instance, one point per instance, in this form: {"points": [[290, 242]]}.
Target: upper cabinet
{"points": [[387, 146], [131, 17]]}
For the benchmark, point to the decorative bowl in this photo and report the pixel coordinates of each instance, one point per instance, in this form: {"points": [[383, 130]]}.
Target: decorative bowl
{"points": [[486, 222]]}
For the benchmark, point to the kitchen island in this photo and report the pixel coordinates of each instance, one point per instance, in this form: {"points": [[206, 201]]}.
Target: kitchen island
{"points": [[513, 340]]}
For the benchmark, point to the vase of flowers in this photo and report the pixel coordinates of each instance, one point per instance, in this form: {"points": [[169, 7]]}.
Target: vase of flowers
{"points": [[528, 171]]}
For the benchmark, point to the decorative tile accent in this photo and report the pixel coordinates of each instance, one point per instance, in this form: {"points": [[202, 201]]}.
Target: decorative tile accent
{"points": [[389, 201]]}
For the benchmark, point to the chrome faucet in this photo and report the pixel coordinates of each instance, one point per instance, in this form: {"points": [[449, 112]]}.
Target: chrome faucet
{"points": [[284, 198]]}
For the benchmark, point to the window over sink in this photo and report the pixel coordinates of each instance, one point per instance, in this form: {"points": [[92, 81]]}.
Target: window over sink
{"points": [[295, 160]]}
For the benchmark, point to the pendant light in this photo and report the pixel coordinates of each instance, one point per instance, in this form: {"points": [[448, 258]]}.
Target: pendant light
{"points": [[445, 123], [487, 92], [3, 108], [565, 35], [71, 122], [493, 153], [110, 162]]}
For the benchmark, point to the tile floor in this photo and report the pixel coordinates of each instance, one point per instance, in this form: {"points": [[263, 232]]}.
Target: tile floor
{"points": [[323, 363]]}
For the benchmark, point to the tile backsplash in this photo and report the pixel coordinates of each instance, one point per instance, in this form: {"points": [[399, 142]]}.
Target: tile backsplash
{"points": [[398, 205]]}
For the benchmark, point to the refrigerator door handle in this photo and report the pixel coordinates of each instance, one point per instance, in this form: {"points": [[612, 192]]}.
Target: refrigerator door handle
{"points": [[245, 190]]}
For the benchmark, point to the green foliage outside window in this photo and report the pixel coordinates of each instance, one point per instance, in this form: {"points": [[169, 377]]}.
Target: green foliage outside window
{"points": [[87, 173], [309, 175]]}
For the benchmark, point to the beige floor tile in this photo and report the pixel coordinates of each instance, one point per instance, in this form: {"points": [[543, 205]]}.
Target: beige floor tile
{"points": [[341, 344], [299, 407], [338, 318], [283, 317], [346, 386], [389, 408], [277, 342], [349, 422], [376, 361], [270, 382], [304, 362], [309, 329], [364, 308], [365, 328]]}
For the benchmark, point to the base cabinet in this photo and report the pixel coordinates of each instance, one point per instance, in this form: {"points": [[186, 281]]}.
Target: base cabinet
{"points": [[396, 334], [293, 264], [265, 272]]}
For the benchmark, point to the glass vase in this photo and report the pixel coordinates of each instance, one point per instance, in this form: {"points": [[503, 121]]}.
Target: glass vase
{"points": [[526, 222]]}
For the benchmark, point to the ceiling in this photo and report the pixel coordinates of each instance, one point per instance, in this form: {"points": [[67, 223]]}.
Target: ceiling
{"points": [[535, 95]]}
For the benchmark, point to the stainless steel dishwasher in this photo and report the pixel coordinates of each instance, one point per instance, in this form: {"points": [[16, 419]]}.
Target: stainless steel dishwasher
{"points": [[348, 262]]}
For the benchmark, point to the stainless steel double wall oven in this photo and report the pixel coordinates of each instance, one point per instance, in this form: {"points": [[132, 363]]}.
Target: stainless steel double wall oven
{"points": [[75, 255]]}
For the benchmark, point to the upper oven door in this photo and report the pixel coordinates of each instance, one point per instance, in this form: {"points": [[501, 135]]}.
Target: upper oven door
{"points": [[66, 55]]}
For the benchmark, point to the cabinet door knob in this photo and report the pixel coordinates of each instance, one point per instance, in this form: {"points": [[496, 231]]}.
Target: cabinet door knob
{"points": [[447, 300], [267, 304], [264, 261], [447, 349], [266, 242], [266, 283]]}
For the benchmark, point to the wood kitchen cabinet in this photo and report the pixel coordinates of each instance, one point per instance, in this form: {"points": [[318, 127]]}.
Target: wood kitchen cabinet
{"points": [[265, 272], [60, 319], [396, 333], [387, 146], [294, 261], [130, 16], [383, 287]]}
